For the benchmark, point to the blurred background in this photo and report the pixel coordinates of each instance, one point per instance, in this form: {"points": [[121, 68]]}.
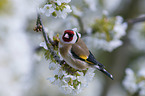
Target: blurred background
{"points": [[24, 70]]}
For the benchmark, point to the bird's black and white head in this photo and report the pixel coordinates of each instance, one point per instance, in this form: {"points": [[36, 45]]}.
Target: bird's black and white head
{"points": [[70, 37]]}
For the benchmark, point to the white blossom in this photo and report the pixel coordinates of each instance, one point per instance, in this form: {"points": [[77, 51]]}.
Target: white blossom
{"points": [[16, 51], [62, 1], [105, 12], [119, 28], [130, 81], [134, 81], [51, 79], [43, 44], [47, 10], [71, 22], [64, 12], [141, 86], [76, 11], [64, 83], [141, 72], [52, 66], [60, 10], [137, 36], [98, 40], [91, 4], [103, 44], [108, 5]]}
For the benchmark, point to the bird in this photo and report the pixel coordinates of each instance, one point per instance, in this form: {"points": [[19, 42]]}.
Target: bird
{"points": [[76, 54]]}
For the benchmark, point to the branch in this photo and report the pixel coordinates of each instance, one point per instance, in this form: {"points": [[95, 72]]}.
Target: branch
{"points": [[50, 45], [136, 20], [48, 41], [82, 30]]}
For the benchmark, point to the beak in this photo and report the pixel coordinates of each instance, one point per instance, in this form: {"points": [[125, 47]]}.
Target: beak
{"points": [[66, 36]]}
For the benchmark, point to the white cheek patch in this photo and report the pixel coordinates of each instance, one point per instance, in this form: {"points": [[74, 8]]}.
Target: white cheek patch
{"points": [[79, 35], [66, 36]]}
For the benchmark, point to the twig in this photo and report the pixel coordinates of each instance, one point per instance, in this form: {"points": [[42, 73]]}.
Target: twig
{"points": [[82, 30], [48, 41], [136, 20], [50, 44]]}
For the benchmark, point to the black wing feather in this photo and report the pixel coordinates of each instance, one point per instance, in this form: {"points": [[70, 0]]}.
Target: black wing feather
{"points": [[92, 59], [76, 56]]}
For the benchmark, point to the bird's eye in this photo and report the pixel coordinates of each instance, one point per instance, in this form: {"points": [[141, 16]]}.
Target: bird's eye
{"points": [[71, 35]]}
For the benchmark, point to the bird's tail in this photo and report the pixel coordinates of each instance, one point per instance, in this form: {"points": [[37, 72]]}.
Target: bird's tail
{"points": [[104, 71]]}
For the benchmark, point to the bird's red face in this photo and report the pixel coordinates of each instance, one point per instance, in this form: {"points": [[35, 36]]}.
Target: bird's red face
{"points": [[68, 35]]}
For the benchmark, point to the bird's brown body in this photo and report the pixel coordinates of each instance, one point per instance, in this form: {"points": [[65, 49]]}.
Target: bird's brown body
{"points": [[77, 48]]}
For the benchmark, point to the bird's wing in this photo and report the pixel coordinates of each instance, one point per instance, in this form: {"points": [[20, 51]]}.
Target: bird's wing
{"points": [[80, 51], [92, 59]]}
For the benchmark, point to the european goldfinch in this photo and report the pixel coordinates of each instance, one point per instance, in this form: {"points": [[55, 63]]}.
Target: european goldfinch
{"points": [[75, 52]]}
